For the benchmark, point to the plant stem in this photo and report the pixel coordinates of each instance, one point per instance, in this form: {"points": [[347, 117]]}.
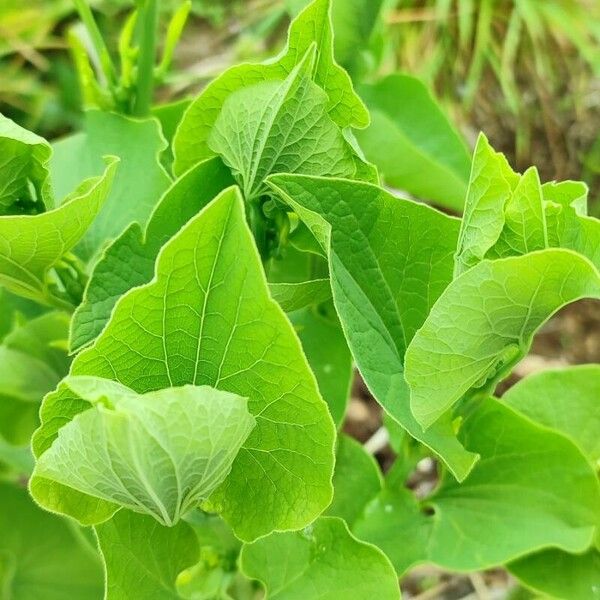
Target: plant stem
{"points": [[148, 20], [106, 63]]}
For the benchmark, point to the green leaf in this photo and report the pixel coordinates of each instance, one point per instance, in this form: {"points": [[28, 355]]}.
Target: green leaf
{"points": [[573, 194], [561, 575], [160, 453], [525, 228], [128, 262], [531, 489], [295, 296], [356, 481], [389, 260], [324, 561], [139, 183], [353, 25], [219, 550], [329, 357], [187, 327], [31, 365], [23, 169], [413, 143], [142, 558], [52, 234], [484, 323], [565, 400], [279, 126], [490, 186], [42, 556], [312, 26]]}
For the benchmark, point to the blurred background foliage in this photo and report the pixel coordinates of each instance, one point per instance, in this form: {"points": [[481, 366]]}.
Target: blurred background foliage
{"points": [[527, 72]]}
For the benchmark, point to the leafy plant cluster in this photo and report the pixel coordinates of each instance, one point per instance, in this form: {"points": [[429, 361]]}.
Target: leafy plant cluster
{"points": [[188, 293]]}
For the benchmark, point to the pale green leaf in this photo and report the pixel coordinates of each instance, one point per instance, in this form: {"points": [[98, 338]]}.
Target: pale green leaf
{"points": [[295, 296], [566, 400], [531, 489], [389, 260], [572, 194], [322, 562], [525, 228], [413, 143], [187, 327], [312, 26], [490, 185], [484, 323], [160, 453], [142, 558], [140, 180], [23, 169], [43, 557], [279, 126], [30, 245], [129, 261]]}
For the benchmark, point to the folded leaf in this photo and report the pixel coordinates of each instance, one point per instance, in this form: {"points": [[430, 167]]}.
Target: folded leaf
{"points": [[295, 296], [322, 562], [43, 556], [160, 453], [187, 327], [128, 261], [484, 323], [139, 183], [279, 126], [23, 169], [51, 234], [565, 400], [389, 260], [525, 228], [490, 186], [413, 143], [531, 489], [312, 26], [142, 558]]}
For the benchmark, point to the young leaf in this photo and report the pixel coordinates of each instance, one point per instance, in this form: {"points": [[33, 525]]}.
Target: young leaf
{"points": [[415, 147], [52, 234], [490, 186], [322, 562], [160, 453], [389, 260], [531, 489], [25, 159], [139, 183], [565, 400], [484, 322], [312, 26], [280, 126], [43, 556], [525, 228], [128, 262], [144, 559], [187, 327]]}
